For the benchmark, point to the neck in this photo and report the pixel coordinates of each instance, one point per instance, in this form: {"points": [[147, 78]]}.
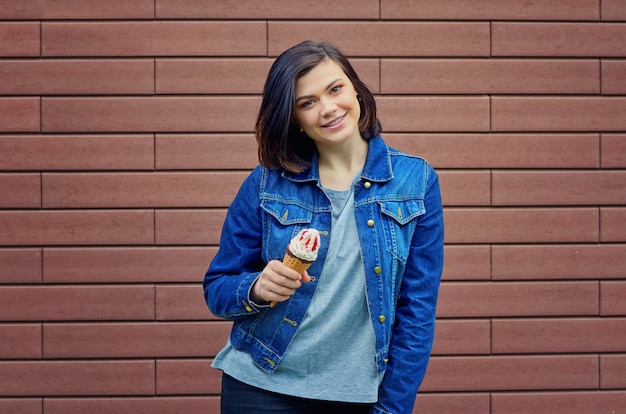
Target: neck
{"points": [[338, 166]]}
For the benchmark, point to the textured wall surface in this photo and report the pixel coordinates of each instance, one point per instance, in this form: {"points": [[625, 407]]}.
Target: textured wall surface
{"points": [[126, 129]]}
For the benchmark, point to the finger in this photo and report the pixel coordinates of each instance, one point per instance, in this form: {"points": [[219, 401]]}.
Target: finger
{"points": [[273, 280], [305, 277], [284, 270]]}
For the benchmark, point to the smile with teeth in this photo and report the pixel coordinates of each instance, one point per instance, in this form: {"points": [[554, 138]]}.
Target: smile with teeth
{"points": [[335, 121]]}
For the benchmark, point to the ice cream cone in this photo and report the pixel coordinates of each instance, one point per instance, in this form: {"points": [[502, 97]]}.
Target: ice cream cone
{"points": [[294, 263], [301, 251]]}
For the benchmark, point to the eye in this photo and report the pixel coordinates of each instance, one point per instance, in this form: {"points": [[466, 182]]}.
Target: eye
{"points": [[306, 104], [336, 89]]}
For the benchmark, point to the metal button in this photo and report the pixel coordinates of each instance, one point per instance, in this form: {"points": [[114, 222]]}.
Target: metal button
{"points": [[378, 269], [367, 184], [370, 223], [381, 318]]}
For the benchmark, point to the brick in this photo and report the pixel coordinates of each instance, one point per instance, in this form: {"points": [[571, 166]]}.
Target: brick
{"points": [[77, 77], [436, 114], [613, 77], [88, 378], [21, 405], [490, 10], [211, 76], [150, 114], [558, 39], [613, 150], [489, 76], [69, 303], [387, 38], [518, 188], [452, 403], [187, 376], [583, 402], [77, 152], [20, 190], [205, 151], [275, 9], [20, 341], [613, 10], [612, 224], [20, 266], [503, 150], [76, 227], [465, 188], [155, 38], [462, 337], [125, 265], [181, 302], [519, 225], [502, 373], [162, 405], [128, 190], [612, 368], [134, 340], [467, 262], [558, 261], [181, 227], [72, 9], [481, 299], [19, 114], [19, 39], [612, 296], [575, 335], [558, 114], [243, 75]]}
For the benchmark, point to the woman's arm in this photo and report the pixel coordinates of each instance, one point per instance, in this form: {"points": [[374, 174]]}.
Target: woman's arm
{"points": [[238, 262]]}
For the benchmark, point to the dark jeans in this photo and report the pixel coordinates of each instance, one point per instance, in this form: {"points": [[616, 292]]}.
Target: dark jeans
{"points": [[240, 398]]}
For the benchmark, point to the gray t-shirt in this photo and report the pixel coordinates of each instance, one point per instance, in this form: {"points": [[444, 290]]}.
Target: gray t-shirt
{"points": [[332, 355]]}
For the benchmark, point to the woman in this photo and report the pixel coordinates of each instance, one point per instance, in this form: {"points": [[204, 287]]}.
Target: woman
{"points": [[352, 334]]}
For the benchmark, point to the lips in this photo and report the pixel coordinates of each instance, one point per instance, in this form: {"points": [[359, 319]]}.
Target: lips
{"points": [[335, 121]]}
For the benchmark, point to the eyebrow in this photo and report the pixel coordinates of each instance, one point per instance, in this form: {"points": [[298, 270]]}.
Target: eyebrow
{"points": [[325, 89]]}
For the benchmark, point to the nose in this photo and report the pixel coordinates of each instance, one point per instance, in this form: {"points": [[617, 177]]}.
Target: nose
{"points": [[328, 107]]}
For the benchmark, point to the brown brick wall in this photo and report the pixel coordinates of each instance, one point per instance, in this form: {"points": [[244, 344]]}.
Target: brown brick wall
{"points": [[126, 129]]}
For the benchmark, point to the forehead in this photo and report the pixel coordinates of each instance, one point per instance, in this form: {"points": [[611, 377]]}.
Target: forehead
{"points": [[320, 77]]}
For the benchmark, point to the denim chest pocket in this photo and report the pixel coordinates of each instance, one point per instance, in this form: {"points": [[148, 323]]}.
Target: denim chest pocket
{"points": [[286, 213], [281, 222], [400, 224], [403, 211]]}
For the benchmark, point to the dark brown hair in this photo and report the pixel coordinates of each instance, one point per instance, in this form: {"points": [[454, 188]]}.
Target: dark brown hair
{"points": [[281, 144]]}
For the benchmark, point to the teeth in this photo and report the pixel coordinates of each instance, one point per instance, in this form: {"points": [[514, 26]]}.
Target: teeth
{"points": [[335, 122]]}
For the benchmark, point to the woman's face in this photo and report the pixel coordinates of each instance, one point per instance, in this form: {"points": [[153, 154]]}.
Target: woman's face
{"points": [[326, 106]]}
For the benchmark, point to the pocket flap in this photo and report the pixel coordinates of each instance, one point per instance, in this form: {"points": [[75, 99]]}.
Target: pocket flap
{"points": [[287, 213], [403, 211]]}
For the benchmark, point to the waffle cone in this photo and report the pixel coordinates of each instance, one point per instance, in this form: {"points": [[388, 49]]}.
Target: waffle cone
{"points": [[295, 263]]}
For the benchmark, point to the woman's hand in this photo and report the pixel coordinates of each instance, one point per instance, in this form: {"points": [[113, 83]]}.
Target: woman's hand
{"points": [[277, 283]]}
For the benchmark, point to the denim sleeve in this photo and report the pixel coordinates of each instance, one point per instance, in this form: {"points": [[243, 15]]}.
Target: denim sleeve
{"points": [[413, 332], [238, 262]]}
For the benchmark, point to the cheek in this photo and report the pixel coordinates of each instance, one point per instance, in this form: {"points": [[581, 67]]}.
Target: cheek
{"points": [[306, 118]]}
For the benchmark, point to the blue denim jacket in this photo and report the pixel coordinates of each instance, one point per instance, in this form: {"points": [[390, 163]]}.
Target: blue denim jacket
{"points": [[400, 223]]}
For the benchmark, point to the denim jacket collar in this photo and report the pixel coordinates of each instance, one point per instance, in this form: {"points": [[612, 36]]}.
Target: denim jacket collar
{"points": [[377, 165]]}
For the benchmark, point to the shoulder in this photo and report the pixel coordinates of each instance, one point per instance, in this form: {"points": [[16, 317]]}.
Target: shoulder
{"points": [[405, 163]]}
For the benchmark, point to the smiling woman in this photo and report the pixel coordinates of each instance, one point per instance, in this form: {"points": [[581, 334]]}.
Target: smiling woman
{"points": [[327, 111], [353, 332], [282, 141]]}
